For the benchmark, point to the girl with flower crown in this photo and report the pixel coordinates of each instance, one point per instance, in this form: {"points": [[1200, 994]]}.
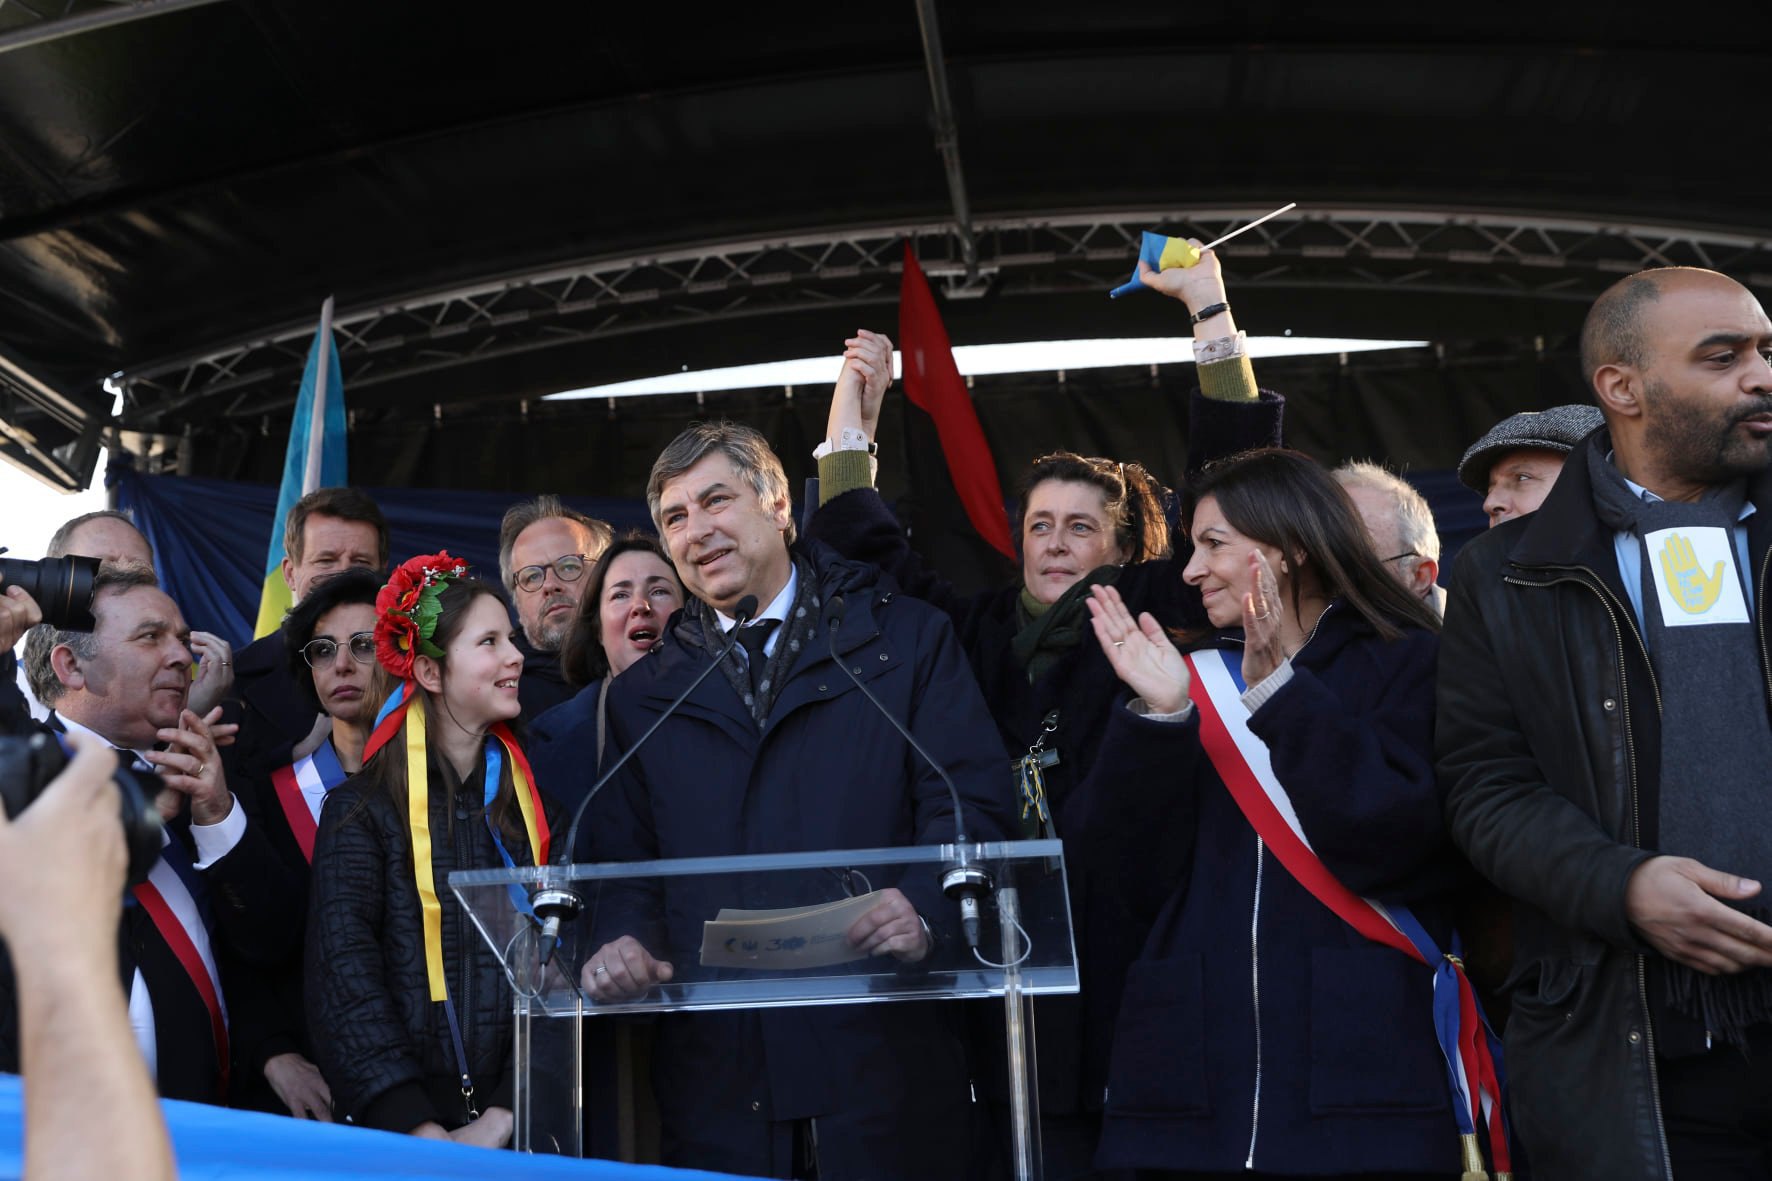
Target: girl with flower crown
{"points": [[409, 1010]]}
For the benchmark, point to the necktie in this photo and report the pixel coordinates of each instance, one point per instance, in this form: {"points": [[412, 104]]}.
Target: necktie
{"points": [[752, 639]]}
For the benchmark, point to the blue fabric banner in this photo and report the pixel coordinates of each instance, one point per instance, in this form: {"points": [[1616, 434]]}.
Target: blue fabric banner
{"points": [[208, 536], [214, 1143]]}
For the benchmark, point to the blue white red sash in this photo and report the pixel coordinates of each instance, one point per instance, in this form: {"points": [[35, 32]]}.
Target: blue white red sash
{"points": [[1241, 759], [304, 780], [169, 898]]}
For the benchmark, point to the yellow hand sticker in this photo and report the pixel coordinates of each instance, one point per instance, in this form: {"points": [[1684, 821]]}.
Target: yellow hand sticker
{"points": [[1686, 580]]}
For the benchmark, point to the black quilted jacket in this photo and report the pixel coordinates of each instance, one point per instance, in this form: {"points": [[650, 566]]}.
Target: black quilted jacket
{"points": [[381, 1042]]}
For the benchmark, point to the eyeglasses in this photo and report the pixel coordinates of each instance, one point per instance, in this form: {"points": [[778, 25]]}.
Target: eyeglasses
{"points": [[1408, 553], [567, 568], [325, 649]]}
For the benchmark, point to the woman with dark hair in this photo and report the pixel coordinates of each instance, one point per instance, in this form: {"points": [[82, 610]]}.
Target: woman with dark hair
{"points": [[330, 649], [632, 594], [1080, 522], [409, 1010], [1272, 797]]}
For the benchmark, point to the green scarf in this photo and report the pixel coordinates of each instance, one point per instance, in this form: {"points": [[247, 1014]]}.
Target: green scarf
{"points": [[1048, 631]]}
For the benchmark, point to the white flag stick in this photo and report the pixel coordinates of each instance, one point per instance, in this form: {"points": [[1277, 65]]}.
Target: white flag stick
{"points": [[1250, 226], [310, 480]]}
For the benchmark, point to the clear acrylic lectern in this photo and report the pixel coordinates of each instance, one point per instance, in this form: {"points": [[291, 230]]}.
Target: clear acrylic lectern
{"points": [[763, 932]]}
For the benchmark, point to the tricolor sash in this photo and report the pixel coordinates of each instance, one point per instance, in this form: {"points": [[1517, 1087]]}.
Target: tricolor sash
{"points": [[318, 774], [170, 902], [1471, 1053]]}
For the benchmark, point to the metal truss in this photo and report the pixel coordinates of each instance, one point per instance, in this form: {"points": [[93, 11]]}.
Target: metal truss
{"points": [[24, 23], [1517, 256]]}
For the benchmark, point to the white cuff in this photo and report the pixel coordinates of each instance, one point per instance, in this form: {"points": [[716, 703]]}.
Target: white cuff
{"points": [[1256, 695], [215, 841], [1220, 348], [1142, 708]]}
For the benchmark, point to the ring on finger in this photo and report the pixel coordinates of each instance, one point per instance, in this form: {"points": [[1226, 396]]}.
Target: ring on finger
{"points": [[601, 970], [198, 773]]}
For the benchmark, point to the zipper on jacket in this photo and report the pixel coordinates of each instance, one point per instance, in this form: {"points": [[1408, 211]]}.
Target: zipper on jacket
{"points": [[462, 841], [1608, 601], [1255, 954], [1255, 992]]}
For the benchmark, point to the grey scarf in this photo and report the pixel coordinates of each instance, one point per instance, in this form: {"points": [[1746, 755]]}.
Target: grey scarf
{"points": [[1716, 737], [802, 621]]}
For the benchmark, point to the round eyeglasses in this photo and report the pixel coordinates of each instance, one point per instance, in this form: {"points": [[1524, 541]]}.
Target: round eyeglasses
{"points": [[567, 568], [325, 649]]}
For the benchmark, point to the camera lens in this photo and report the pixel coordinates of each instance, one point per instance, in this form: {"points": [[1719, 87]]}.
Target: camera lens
{"points": [[62, 588]]}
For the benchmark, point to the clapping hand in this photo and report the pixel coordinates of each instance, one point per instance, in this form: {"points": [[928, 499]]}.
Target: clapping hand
{"points": [[1263, 616], [1140, 653], [215, 671], [191, 766]]}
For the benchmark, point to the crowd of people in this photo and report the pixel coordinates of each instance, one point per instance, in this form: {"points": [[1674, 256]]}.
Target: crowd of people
{"points": [[1299, 786]]}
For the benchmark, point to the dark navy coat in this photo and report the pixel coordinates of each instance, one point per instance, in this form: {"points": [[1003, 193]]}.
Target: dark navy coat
{"points": [[1245, 975], [826, 771]]}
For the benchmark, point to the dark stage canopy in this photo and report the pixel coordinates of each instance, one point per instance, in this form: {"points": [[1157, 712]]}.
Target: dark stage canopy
{"points": [[510, 200]]}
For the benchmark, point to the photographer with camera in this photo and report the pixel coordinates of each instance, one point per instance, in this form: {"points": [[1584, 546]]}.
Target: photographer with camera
{"points": [[127, 682], [18, 614], [60, 580], [74, 1036]]}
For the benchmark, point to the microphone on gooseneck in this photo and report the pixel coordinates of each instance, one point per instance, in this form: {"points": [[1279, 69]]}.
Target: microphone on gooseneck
{"points": [[963, 879], [557, 904]]}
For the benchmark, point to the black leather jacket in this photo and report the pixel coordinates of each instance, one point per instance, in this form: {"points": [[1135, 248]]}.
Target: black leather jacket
{"points": [[382, 1044], [1548, 745]]}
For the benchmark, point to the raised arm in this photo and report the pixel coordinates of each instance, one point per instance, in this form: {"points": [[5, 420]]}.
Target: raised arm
{"points": [[79, 1057]]}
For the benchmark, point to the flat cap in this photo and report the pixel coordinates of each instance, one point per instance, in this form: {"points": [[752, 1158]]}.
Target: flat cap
{"points": [[1556, 429]]}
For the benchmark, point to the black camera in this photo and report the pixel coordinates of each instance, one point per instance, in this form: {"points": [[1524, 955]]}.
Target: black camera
{"points": [[27, 764], [61, 586]]}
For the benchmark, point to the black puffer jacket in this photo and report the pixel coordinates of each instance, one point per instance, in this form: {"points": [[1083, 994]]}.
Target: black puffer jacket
{"points": [[383, 1045]]}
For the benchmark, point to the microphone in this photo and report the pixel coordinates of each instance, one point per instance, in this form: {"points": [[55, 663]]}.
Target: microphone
{"points": [[963, 879], [556, 904]]}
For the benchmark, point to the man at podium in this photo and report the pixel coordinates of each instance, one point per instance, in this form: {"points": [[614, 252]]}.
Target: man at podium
{"points": [[778, 751]]}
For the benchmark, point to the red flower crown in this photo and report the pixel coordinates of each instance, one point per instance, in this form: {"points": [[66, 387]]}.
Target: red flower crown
{"points": [[406, 610]]}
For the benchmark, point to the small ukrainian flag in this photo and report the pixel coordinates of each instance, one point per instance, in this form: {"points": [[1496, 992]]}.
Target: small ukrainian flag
{"points": [[1160, 254]]}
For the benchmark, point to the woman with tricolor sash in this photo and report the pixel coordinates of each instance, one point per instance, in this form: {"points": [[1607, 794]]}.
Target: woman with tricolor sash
{"points": [[1298, 1008], [409, 1010], [330, 641], [1079, 521]]}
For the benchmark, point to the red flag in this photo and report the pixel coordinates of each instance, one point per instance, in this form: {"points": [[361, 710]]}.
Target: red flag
{"points": [[933, 384]]}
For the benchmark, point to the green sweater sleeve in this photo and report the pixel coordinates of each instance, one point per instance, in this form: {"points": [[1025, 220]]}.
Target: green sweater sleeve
{"points": [[843, 471], [1230, 380]]}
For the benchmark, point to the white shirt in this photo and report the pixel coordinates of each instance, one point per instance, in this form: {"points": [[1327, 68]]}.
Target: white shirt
{"points": [[778, 610], [179, 900]]}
